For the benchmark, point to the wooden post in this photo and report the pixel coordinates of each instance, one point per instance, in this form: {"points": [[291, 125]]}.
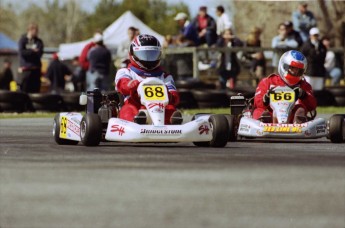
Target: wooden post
{"points": [[195, 63]]}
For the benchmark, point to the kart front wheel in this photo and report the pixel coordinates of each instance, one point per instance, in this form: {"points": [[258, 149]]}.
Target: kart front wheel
{"points": [[220, 133], [91, 129], [337, 128], [56, 133]]}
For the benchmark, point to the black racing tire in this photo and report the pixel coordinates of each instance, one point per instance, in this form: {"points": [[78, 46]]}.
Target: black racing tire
{"points": [[71, 101], [337, 128], [232, 127], [189, 84], [324, 98], [46, 102], [14, 101], [214, 104], [187, 99], [56, 133], [337, 91], [340, 101], [210, 95], [220, 133], [91, 129]]}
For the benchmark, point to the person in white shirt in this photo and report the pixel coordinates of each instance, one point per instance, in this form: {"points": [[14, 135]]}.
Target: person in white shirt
{"points": [[330, 63], [223, 21]]}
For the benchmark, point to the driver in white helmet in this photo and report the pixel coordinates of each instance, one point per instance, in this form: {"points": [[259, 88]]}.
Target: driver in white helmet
{"points": [[291, 68], [145, 57]]}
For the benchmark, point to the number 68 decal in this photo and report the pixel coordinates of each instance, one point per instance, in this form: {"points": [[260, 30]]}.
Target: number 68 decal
{"points": [[154, 92], [282, 96]]}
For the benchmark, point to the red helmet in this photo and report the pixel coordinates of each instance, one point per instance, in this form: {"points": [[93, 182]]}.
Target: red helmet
{"points": [[145, 52]]}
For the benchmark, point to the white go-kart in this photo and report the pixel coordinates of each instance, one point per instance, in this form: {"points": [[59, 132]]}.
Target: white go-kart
{"points": [[100, 123], [282, 101]]}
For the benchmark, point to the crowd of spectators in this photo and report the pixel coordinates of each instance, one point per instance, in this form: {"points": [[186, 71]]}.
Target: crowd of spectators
{"points": [[91, 68]]}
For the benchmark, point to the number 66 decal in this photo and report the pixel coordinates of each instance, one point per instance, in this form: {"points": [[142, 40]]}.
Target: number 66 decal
{"points": [[282, 96]]}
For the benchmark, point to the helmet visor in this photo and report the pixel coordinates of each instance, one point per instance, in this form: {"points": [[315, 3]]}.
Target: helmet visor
{"points": [[293, 71], [147, 53]]}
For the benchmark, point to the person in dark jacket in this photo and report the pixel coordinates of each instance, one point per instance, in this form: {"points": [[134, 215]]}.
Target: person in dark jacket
{"points": [[229, 67], [206, 26], [6, 76], [315, 52], [58, 73], [99, 58], [30, 53], [293, 34]]}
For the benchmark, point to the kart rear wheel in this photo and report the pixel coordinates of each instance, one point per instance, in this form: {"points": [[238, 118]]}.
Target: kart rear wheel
{"points": [[337, 128], [220, 133], [56, 133], [232, 128], [91, 129]]}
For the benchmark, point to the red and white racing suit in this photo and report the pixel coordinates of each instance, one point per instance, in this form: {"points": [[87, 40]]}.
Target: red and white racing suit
{"points": [[274, 80], [125, 76]]}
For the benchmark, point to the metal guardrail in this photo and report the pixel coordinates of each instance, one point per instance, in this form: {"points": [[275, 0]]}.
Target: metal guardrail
{"points": [[196, 50]]}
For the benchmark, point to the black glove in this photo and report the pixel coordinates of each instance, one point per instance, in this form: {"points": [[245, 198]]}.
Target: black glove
{"points": [[300, 93], [266, 97]]}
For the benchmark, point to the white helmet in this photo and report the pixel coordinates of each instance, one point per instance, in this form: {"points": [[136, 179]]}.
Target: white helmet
{"points": [[292, 65]]}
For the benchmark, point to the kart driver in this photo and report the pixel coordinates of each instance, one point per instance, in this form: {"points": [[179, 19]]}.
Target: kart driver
{"points": [[291, 68], [145, 57]]}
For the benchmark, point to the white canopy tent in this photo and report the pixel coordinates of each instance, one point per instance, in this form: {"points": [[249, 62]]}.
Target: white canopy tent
{"points": [[113, 35]]}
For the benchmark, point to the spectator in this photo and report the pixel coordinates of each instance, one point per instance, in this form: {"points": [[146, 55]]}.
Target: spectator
{"points": [[83, 61], [30, 53], [79, 75], [229, 67], [188, 34], [6, 76], [100, 58], [169, 42], [258, 61], [282, 42], [315, 52], [206, 27], [58, 73], [332, 69], [122, 51], [292, 33], [303, 20], [223, 21]]}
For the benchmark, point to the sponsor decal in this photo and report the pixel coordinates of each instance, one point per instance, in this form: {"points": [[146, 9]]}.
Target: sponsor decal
{"points": [[244, 127], [286, 129], [203, 129], [307, 133], [156, 107], [282, 125], [118, 128], [160, 132], [320, 129], [258, 132], [76, 120], [73, 127], [63, 127]]}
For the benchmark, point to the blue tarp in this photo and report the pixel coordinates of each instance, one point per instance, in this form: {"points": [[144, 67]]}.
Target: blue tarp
{"points": [[7, 43]]}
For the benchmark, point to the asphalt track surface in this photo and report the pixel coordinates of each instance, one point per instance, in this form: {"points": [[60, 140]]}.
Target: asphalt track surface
{"points": [[247, 184]]}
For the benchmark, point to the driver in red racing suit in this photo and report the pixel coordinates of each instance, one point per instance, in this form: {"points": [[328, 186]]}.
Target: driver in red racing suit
{"points": [[292, 66], [145, 57]]}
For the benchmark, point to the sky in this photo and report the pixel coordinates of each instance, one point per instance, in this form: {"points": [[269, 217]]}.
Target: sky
{"points": [[89, 5]]}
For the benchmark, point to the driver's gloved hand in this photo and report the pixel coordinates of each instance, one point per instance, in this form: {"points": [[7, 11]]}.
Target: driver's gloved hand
{"points": [[266, 97], [133, 85], [300, 93]]}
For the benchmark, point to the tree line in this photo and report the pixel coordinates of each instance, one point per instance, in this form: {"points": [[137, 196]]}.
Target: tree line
{"points": [[66, 21]]}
